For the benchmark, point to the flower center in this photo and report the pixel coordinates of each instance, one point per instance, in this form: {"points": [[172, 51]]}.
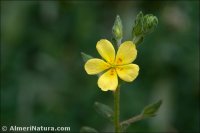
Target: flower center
{"points": [[114, 66], [119, 60], [112, 71]]}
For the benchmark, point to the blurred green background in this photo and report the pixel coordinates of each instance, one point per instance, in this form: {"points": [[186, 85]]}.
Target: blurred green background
{"points": [[43, 81]]}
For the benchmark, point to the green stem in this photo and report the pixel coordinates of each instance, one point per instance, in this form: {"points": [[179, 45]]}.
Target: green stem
{"points": [[119, 42], [116, 109], [132, 120], [138, 39]]}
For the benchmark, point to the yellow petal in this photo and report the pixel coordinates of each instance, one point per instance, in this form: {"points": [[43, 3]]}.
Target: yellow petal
{"points": [[106, 50], [128, 72], [95, 66], [108, 81], [126, 53]]}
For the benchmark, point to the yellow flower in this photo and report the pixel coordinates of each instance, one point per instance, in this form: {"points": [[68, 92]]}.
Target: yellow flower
{"points": [[114, 65]]}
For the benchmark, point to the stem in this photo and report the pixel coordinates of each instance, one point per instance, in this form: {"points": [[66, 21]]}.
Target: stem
{"points": [[132, 120], [116, 109], [138, 39], [119, 43], [116, 102]]}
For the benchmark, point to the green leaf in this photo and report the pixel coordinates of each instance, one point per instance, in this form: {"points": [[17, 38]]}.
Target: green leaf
{"points": [[104, 110], [86, 56], [86, 129], [117, 29], [150, 110]]}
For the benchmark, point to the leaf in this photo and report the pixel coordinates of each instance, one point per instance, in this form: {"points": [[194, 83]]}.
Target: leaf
{"points": [[85, 56], [86, 129], [104, 110], [151, 110]]}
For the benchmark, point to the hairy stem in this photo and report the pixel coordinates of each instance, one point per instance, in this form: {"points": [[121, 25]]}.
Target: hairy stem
{"points": [[116, 109], [119, 43], [132, 120]]}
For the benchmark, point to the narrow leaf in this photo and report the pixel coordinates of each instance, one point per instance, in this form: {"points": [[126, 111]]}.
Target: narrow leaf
{"points": [[150, 110], [104, 110], [86, 56]]}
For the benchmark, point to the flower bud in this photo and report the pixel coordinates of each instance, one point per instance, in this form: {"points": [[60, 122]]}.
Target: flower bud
{"points": [[138, 26], [117, 29], [143, 25], [150, 23]]}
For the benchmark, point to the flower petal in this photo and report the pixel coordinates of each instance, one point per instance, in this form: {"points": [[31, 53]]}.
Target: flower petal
{"points": [[106, 50], [128, 72], [108, 81], [126, 53], [95, 66]]}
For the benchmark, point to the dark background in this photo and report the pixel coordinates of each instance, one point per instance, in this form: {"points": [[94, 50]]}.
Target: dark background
{"points": [[43, 81]]}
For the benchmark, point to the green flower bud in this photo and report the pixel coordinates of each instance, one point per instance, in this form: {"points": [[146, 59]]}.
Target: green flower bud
{"points": [[138, 26], [150, 23], [117, 29], [143, 26]]}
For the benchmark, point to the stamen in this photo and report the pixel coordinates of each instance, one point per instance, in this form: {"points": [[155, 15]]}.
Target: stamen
{"points": [[119, 60], [112, 72]]}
